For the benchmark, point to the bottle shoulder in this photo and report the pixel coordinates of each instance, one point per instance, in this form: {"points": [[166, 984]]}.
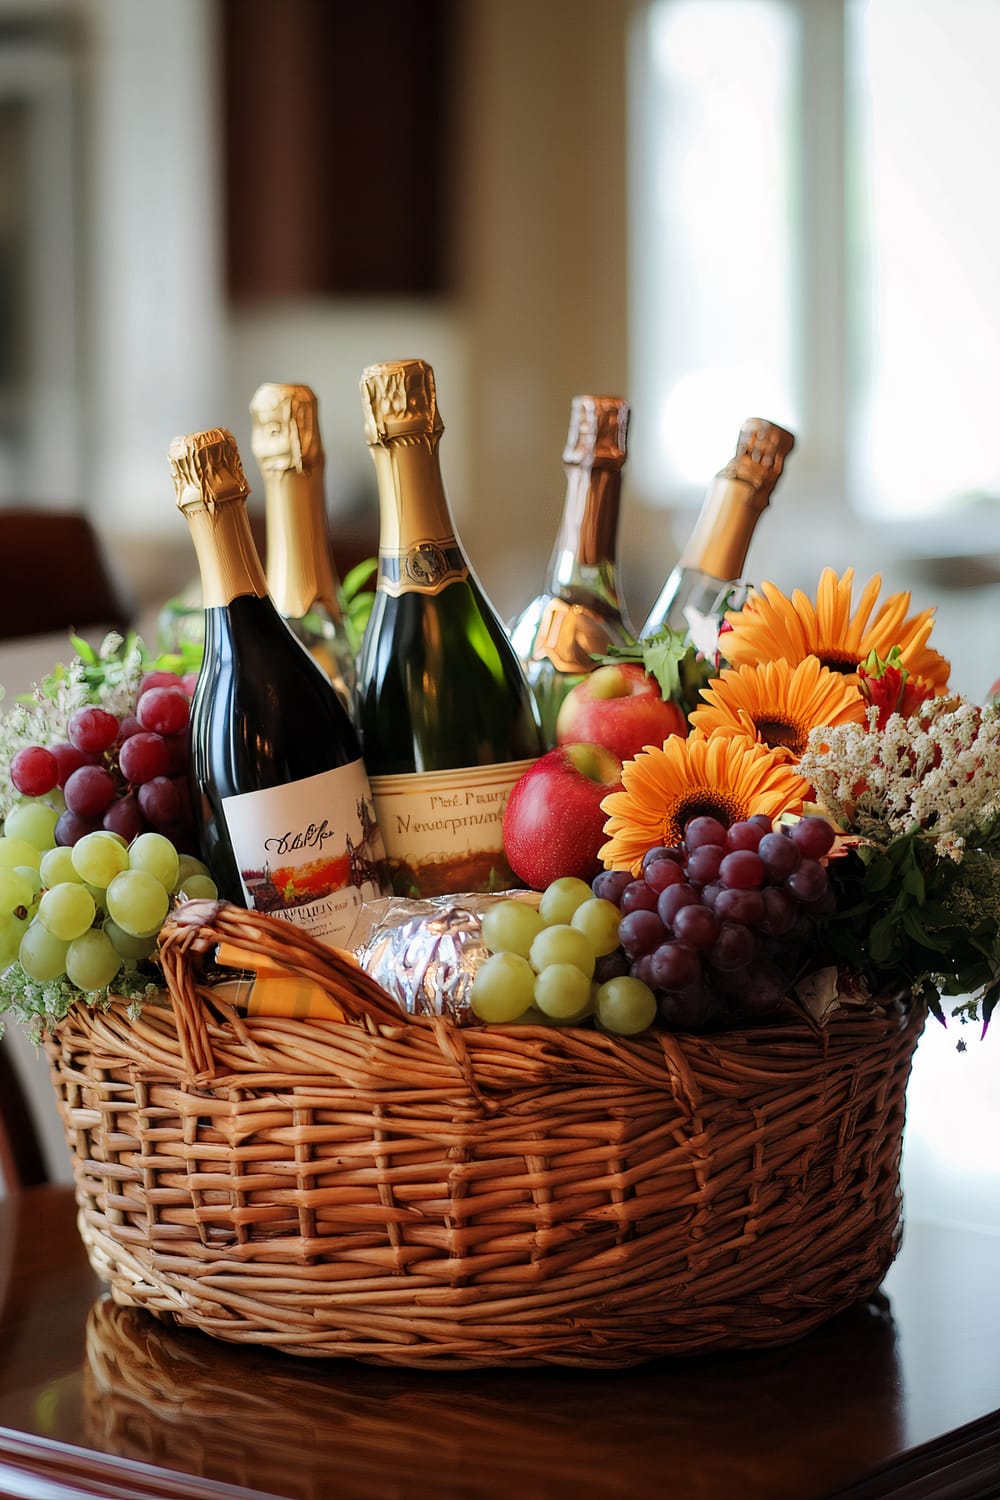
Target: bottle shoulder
{"points": [[441, 686], [456, 621], [254, 656]]}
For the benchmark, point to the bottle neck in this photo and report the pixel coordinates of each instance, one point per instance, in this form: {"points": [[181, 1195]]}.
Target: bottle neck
{"points": [[583, 557], [418, 550], [300, 572], [720, 541], [227, 557]]}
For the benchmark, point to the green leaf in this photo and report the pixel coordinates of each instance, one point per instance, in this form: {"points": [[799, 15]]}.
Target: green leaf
{"points": [[880, 940], [911, 874], [83, 649], [357, 600], [660, 655], [881, 872], [912, 925], [357, 578]]}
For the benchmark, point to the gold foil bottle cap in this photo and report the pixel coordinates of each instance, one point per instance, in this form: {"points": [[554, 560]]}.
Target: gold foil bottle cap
{"points": [[399, 401], [206, 469], [285, 437], [598, 432], [760, 453]]}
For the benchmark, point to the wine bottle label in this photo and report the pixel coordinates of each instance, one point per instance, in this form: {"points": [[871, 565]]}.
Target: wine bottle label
{"points": [[425, 568], [443, 830], [311, 851]]}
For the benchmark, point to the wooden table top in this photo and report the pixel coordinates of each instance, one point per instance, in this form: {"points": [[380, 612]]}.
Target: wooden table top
{"points": [[899, 1396]]}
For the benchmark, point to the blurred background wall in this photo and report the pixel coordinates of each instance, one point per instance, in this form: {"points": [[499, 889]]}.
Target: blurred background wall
{"points": [[717, 208]]}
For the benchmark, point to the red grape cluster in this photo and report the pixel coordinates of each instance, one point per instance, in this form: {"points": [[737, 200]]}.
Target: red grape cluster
{"points": [[719, 926], [127, 775]]}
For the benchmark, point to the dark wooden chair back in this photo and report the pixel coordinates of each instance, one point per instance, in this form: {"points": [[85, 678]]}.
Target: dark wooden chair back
{"points": [[22, 1163], [54, 575]]}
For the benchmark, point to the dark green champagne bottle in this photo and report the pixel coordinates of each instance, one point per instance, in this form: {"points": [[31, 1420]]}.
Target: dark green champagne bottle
{"points": [[448, 721], [280, 791]]}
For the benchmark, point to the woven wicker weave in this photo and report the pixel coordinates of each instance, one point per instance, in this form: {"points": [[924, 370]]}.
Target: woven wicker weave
{"points": [[403, 1191]]}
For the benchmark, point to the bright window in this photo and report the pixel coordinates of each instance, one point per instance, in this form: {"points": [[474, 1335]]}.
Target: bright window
{"points": [[925, 295], [815, 230], [716, 255], [815, 227]]}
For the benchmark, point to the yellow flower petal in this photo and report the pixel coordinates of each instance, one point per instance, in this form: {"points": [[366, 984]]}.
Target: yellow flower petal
{"points": [[773, 627], [663, 788], [777, 704]]}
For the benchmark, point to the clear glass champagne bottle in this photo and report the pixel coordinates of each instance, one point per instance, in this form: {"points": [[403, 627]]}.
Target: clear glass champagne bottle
{"points": [[708, 577], [578, 613]]}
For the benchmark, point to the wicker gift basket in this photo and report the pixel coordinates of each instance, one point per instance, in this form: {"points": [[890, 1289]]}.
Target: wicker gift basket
{"points": [[401, 1190]]}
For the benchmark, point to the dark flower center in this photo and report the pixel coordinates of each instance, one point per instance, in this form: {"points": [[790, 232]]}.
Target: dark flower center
{"points": [[704, 805], [773, 732], [844, 664]]}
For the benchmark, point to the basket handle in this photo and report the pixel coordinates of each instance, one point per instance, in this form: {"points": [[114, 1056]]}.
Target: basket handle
{"points": [[194, 929]]}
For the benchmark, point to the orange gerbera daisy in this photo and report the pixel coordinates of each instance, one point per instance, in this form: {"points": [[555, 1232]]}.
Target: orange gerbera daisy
{"points": [[773, 626], [777, 704], [663, 788]]}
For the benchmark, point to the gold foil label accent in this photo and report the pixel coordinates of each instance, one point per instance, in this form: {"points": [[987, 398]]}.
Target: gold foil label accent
{"points": [[211, 493], [299, 567], [285, 437], [399, 400], [598, 432], [227, 557], [760, 454], [593, 457], [427, 567], [289, 452], [418, 549], [206, 469], [735, 500]]}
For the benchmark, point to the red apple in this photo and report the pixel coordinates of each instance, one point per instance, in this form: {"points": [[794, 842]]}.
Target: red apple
{"points": [[553, 824], [620, 707]]}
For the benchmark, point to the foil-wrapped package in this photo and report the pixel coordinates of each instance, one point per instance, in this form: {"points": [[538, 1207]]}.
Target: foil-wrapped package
{"points": [[425, 953]]}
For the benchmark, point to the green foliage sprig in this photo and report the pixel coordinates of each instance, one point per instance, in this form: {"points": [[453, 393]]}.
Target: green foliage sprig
{"points": [[918, 886], [109, 676], [911, 921], [39, 1004], [670, 658], [357, 600]]}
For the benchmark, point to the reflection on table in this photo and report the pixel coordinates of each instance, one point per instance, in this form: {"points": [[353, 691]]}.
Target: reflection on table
{"points": [[85, 1378], [176, 1398]]}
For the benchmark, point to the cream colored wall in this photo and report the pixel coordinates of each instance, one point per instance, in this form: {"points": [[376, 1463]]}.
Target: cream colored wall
{"points": [[539, 311], [540, 307], [543, 254]]}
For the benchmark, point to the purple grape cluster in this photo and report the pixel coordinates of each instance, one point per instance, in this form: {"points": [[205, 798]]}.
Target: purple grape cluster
{"points": [[719, 926], [125, 774]]}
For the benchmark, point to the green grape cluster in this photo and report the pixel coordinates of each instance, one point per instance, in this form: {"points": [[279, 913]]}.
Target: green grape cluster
{"points": [[544, 964], [81, 912]]}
